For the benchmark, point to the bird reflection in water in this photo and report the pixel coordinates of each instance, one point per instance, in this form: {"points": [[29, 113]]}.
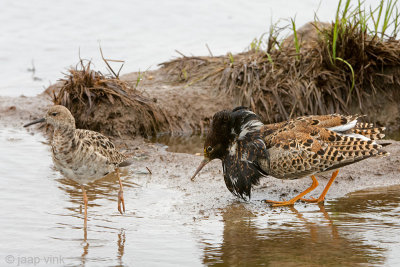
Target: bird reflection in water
{"points": [[85, 246], [121, 246], [104, 188], [313, 227], [286, 237]]}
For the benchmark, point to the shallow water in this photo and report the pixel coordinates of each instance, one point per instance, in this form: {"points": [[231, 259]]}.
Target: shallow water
{"points": [[191, 144], [41, 222], [395, 135]]}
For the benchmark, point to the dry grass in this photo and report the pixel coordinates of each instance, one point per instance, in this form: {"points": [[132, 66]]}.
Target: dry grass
{"points": [[94, 99], [281, 82]]}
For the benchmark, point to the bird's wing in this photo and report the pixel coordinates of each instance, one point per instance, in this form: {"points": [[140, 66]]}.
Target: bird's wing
{"points": [[345, 124], [331, 120], [335, 122], [240, 165], [101, 145], [302, 147]]}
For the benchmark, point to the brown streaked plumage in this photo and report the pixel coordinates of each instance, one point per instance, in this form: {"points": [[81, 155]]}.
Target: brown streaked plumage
{"points": [[301, 147], [82, 155]]}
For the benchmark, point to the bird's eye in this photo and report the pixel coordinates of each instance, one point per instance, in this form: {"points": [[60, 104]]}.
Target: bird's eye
{"points": [[209, 149], [54, 114]]}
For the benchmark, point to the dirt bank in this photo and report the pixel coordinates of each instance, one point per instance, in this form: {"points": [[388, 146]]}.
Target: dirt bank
{"points": [[283, 81], [190, 106]]}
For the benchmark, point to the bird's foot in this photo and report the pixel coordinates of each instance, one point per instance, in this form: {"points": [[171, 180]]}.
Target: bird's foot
{"points": [[282, 203], [121, 201], [299, 196], [313, 200]]}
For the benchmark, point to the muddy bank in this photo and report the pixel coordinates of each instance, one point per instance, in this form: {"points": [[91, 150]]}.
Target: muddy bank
{"points": [[176, 107], [208, 192], [190, 106]]}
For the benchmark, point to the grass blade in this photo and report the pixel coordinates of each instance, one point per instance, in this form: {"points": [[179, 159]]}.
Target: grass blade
{"points": [[296, 40], [352, 73], [335, 31]]}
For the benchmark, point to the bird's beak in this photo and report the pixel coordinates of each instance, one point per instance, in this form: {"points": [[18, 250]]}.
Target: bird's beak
{"points": [[202, 164], [34, 122]]}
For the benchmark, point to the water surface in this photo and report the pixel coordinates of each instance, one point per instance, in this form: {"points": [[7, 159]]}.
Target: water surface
{"points": [[41, 218]]}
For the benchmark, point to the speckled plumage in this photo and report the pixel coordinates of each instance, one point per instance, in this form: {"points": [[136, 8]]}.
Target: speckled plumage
{"points": [[288, 150], [310, 145], [82, 155]]}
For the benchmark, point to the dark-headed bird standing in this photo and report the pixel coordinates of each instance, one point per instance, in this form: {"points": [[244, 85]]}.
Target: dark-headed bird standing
{"points": [[82, 155], [305, 146]]}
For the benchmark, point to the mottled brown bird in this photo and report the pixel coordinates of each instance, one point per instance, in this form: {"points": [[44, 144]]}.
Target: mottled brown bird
{"points": [[82, 155], [301, 147]]}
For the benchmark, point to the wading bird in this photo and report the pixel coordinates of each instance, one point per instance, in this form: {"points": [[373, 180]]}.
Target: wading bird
{"points": [[82, 155], [305, 146]]}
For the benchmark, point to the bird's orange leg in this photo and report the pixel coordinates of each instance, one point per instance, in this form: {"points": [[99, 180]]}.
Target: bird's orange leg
{"points": [[85, 201], [120, 195], [322, 196], [299, 196]]}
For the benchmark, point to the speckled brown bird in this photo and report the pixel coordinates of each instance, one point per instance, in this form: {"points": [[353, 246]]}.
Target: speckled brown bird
{"points": [[82, 155], [301, 147]]}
